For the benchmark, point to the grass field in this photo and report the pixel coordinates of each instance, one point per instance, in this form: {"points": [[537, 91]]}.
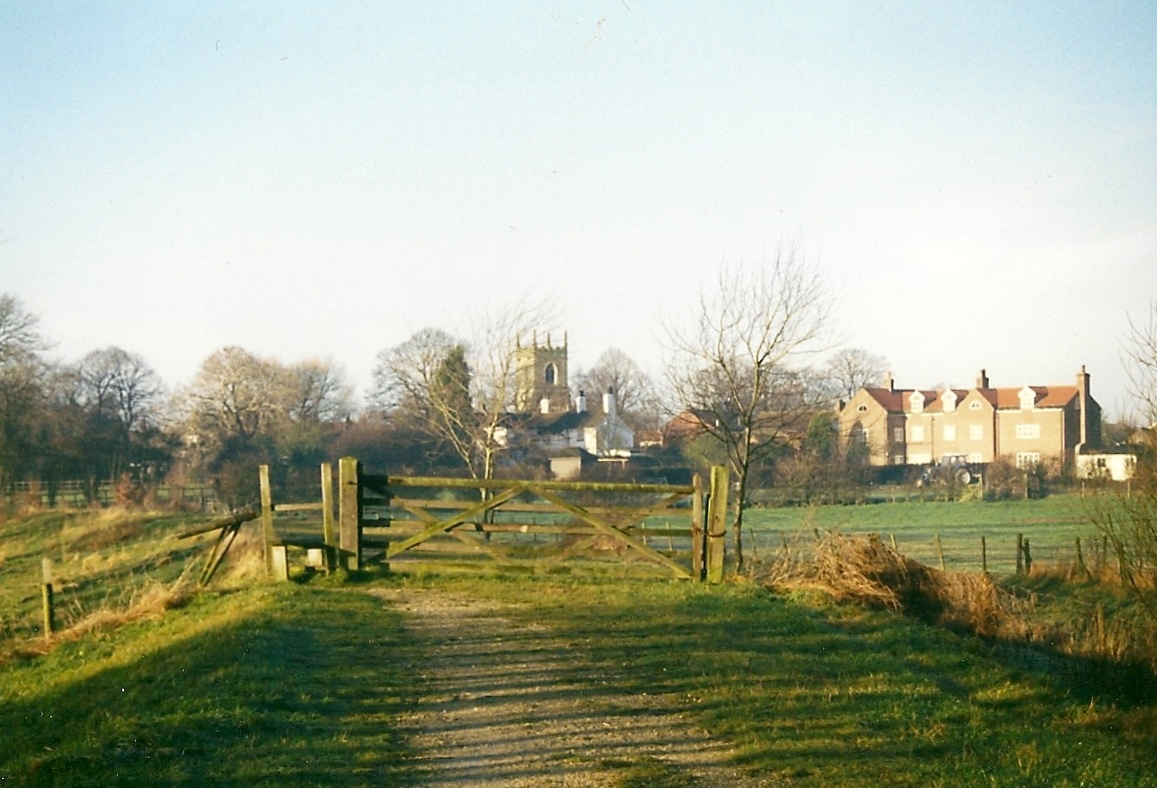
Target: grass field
{"points": [[308, 684], [1051, 524]]}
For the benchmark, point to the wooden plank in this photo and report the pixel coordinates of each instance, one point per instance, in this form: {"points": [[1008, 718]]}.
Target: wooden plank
{"points": [[243, 516], [280, 562], [666, 506], [698, 544], [458, 519], [475, 543], [298, 507], [267, 534], [349, 513], [613, 532], [328, 527], [504, 484]]}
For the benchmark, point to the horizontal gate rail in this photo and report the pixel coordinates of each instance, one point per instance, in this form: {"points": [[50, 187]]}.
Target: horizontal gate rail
{"points": [[383, 518]]}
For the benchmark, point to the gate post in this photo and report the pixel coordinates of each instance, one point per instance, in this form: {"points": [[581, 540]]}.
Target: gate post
{"points": [[267, 534], [349, 516], [716, 523], [327, 525], [698, 545]]}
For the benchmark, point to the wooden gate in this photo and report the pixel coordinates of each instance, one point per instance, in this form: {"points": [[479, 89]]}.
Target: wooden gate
{"points": [[676, 529]]}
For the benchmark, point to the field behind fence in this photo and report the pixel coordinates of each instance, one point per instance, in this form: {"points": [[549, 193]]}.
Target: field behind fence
{"points": [[75, 493], [967, 534]]}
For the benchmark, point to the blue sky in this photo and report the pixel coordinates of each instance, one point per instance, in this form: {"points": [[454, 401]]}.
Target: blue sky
{"points": [[977, 181]]}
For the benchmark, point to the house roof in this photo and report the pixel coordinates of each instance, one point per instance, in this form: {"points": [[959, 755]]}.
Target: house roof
{"points": [[899, 400]]}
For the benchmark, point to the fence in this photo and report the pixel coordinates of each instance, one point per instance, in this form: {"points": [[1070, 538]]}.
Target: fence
{"points": [[78, 493], [399, 520], [1000, 552]]}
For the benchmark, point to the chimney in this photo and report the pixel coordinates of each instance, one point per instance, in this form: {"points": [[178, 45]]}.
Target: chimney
{"points": [[889, 384], [580, 403], [982, 379], [1083, 400], [609, 402]]}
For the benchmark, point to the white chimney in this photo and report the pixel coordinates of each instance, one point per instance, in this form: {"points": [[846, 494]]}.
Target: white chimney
{"points": [[609, 402], [580, 403]]}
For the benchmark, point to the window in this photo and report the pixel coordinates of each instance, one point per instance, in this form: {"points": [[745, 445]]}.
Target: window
{"points": [[1027, 398], [976, 432], [1027, 432], [975, 405], [550, 374], [917, 434], [917, 402], [976, 457], [948, 400], [898, 435], [1027, 459], [862, 408], [949, 432]]}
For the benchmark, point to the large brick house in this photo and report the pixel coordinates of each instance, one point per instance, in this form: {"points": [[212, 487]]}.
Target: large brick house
{"points": [[1027, 425]]}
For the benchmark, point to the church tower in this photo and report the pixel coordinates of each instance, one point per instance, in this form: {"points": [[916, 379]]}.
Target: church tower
{"points": [[540, 378]]}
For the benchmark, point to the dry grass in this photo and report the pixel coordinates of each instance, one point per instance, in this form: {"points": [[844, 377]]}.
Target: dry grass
{"points": [[864, 570], [148, 602]]}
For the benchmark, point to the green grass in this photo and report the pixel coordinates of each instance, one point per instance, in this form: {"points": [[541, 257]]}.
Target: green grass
{"points": [[815, 694], [309, 684], [1051, 524], [269, 686]]}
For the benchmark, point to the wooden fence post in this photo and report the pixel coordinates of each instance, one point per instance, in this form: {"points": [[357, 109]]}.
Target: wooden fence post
{"points": [[717, 523], [940, 552], [328, 530], [983, 555], [698, 542], [1020, 554], [349, 504], [267, 534], [46, 591]]}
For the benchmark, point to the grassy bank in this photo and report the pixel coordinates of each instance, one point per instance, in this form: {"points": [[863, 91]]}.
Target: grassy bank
{"points": [[270, 686], [309, 684], [816, 694]]}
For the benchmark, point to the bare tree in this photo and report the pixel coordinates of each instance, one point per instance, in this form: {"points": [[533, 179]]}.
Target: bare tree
{"points": [[24, 379], [737, 367], [404, 374], [493, 381], [459, 394], [635, 395], [851, 369], [235, 396], [114, 396], [20, 338], [318, 393], [1139, 352], [1129, 519]]}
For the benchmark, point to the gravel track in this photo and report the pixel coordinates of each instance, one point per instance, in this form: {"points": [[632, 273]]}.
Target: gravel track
{"points": [[507, 703]]}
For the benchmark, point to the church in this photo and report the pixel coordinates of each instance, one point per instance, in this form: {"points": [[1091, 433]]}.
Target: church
{"points": [[570, 432]]}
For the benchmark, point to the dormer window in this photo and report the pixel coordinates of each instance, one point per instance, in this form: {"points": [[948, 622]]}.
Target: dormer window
{"points": [[1027, 398], [917, 402], [948, 400]]}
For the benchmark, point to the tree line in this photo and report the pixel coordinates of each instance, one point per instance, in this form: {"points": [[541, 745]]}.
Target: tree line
{"points": [[744, 375]]}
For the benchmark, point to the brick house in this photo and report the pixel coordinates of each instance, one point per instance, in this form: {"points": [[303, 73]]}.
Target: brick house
{"points": [[1027, 425]]}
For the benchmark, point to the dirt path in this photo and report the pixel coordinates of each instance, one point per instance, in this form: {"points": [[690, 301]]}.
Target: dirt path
{"points": [[501, 707]]}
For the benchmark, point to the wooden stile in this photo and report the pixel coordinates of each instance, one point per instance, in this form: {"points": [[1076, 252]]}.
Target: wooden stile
{"points": [[350, 513]]}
